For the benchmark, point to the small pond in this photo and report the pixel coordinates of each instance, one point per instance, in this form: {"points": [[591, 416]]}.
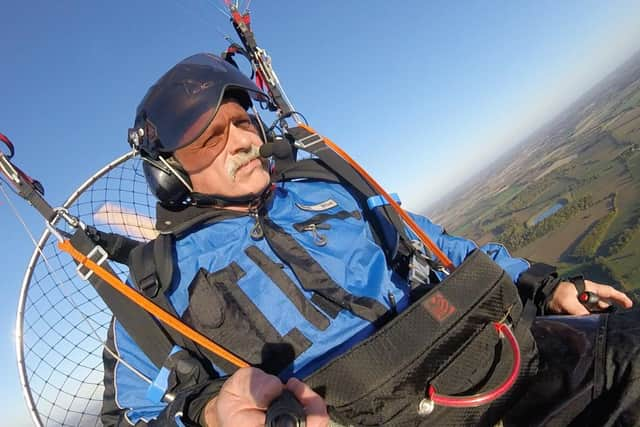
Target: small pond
{"points": [[550, 211]]}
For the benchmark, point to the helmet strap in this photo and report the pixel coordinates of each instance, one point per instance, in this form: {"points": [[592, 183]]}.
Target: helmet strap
{"points": [[252, 202], [179, 175]]}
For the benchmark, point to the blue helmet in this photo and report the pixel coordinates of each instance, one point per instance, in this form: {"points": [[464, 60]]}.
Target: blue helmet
{"points": [[179, 107]]}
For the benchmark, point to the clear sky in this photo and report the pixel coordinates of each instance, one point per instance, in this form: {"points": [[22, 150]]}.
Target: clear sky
{"points": [[422, 93]]}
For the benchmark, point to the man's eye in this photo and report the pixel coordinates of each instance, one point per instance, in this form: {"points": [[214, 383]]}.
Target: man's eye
{"points": [[243, 123], [212, 141]]}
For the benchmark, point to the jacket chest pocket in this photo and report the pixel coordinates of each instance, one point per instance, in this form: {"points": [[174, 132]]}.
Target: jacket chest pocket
{"points": [[220, 310]]}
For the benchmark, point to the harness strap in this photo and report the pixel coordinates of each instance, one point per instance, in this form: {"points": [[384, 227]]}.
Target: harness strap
{"points": [[305, 168], [139, 324], [537, 284], [116, 245], [395, 240], [286, 285]]}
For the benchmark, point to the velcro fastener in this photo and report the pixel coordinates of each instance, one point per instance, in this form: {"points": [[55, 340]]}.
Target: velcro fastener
{"points": [[158, 387], [379, 200]]}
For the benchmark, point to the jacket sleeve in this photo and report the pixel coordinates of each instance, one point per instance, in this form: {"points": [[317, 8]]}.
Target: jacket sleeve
{"points": [[536, 281], [457, 248], [128, 374]]}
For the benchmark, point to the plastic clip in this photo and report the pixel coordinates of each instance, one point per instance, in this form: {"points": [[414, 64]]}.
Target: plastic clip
{"points": [[419, 266]]}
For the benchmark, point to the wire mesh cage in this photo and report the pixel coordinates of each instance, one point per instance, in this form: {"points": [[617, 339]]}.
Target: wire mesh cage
{"points": [[62, 322]]}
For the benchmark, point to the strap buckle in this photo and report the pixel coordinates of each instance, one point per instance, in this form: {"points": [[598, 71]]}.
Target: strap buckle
{"points": [[97, 255], [419, 266]]}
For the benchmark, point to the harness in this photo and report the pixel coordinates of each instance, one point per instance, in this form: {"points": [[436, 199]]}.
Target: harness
{"points": [[151, 267]]}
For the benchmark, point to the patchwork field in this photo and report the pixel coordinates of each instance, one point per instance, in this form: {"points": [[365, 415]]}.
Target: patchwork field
{"points": [[581, 173]]}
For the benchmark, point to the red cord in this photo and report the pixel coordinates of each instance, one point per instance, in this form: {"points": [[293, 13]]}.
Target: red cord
{"points": [[489, 396], [9, 145], [259, 80]]}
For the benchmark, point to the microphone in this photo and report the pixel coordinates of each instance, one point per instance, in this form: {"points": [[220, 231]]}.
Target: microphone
{"points": [[281, 150]]}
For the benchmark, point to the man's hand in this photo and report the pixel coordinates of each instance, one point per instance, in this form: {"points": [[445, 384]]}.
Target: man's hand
{"points": [[565, 298], [246, 395], [313, 404]]}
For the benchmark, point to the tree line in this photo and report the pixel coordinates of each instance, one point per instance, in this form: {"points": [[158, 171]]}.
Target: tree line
{"points": [[624, 237], [589, 244]]}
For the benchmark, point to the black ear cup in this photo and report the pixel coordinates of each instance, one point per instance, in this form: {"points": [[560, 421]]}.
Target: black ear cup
{"points": [[167, 184]]}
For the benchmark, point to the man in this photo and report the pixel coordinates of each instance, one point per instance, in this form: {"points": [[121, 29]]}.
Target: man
{"points": [[248, 257]]}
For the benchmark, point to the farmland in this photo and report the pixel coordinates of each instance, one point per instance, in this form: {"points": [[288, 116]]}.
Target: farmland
{"points": [[568, 195]]}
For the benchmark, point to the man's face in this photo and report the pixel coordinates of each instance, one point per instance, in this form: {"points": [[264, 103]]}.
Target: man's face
{"points": [[224, 160]]}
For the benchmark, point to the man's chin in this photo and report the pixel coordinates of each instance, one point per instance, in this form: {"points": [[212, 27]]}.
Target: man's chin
{"points": [[253, 187]]}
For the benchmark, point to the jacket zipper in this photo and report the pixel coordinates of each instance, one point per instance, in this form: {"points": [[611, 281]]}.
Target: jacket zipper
{"points": [[256, 232]]}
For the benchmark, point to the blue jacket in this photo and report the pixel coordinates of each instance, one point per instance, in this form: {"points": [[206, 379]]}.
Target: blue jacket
{"points": [[325, 220]]}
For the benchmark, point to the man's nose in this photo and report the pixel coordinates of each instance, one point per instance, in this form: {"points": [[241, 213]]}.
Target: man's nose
{"points": [[241, 139]]}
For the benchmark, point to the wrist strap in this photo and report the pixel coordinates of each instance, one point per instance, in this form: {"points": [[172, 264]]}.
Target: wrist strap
{"points": [[578, 282]]}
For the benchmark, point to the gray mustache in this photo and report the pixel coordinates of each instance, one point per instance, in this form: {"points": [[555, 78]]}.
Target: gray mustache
{"points": [[238, 160]]}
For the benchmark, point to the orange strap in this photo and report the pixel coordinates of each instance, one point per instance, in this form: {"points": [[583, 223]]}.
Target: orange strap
{"points": [[151, 308], [446, 262]]}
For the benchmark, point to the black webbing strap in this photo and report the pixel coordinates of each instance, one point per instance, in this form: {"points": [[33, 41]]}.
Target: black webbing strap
{"points": [[140, 325], [151, 266], [306, 169], [117, 246], [394, 243], [537, 284]]}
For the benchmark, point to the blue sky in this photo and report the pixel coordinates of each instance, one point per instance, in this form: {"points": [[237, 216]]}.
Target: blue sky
{"points": [[422, 93]]}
